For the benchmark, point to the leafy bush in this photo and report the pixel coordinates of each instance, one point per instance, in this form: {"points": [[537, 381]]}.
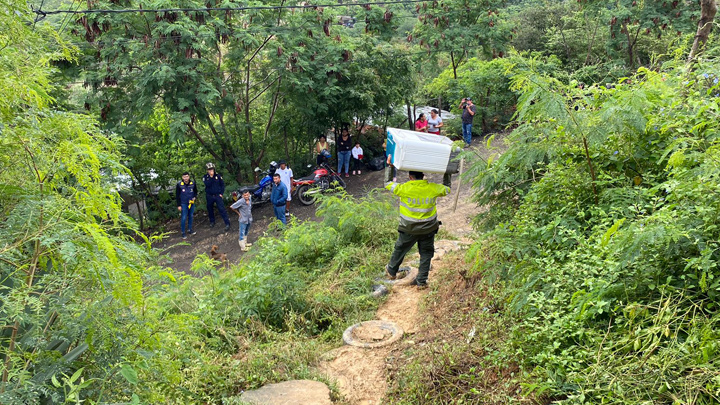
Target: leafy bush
{"points": [[603, 226], [488, 83]]}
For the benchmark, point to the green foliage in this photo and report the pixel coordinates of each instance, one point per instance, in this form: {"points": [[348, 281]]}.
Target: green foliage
{"points": [[611, 277], [268, 318], [610, 37], [461, 28], [239, 88], [68, 266], [488, 82]]}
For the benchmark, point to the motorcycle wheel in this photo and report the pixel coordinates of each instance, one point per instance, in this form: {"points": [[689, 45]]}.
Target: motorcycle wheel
{"points": [[305, 197]]}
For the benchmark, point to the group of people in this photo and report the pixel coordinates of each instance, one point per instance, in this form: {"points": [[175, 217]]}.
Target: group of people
{"points": [[418, 198], [186, 194], [433, 124], [349, 153]]}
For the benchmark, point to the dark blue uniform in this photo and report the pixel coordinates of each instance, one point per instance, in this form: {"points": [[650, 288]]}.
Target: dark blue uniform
{"points": [[278, 197], [184, 192], [214, 188]]}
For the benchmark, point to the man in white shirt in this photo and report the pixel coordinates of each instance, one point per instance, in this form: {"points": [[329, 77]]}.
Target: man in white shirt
{"points": [[286, 176]]}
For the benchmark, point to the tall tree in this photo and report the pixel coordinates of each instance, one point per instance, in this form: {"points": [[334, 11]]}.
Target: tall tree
{"points": [[461, 28], [222, 75], [708, 9], [631, 18]]}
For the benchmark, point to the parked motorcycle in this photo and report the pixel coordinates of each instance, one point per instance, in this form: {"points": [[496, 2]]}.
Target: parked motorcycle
{"points": [[260, 192], [323, 178]]}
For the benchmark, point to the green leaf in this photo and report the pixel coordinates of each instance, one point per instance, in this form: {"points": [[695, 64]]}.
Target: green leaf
{"points": [[129, 373], [610, 232]]}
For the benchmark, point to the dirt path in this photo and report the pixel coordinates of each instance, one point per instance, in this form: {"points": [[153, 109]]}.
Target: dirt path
{"points": [[360, 373], [181, 253]]}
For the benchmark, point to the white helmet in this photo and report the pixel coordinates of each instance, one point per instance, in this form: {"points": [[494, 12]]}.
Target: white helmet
{"points": [[209, 166]]}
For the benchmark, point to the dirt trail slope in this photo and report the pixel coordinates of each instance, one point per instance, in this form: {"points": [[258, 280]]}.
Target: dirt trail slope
{"points": [[360, 373]]}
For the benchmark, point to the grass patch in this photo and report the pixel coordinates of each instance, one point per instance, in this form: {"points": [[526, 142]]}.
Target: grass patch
{"points": [[457, 356]]}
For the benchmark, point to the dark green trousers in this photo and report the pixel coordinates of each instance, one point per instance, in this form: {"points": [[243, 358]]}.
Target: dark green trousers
{"points": [[426, 248]]}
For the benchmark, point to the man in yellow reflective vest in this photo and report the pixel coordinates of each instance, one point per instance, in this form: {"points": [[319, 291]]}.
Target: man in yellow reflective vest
{"points": [[418, 221]]}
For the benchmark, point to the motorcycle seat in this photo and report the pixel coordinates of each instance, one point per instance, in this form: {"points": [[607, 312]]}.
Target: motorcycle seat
{"points": [[254, 188], [310, 177]]}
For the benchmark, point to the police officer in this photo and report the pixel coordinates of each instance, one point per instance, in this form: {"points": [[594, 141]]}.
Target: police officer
{"points": [[418, 221], [214, 190], [185, 194]]}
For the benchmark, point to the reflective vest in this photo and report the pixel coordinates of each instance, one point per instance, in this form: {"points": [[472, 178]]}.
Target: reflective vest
{"points": [[418, 205]]}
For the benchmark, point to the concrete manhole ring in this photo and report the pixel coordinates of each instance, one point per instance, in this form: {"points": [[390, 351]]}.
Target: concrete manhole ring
{"points": [[410, 274], [372, 334]]}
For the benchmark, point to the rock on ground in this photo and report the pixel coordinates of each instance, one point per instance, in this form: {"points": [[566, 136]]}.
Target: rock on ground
{"points": [[294, 392]]}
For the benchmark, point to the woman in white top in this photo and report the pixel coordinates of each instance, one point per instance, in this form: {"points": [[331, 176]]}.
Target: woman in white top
{"points": [[357, 155], [434, 123]]}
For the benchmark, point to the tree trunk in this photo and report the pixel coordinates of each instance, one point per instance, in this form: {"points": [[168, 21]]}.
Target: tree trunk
{"points": [[287, 153], [630, 45], [452, 61], [410, 118], [708, 9], [145, 188], [592, 42], [140, 215]]}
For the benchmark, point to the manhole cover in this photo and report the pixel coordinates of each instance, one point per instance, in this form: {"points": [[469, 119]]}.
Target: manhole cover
{"points": [[371, 334]]}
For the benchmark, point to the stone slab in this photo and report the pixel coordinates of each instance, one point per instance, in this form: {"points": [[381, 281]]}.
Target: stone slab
{"points": [[294, 392]]}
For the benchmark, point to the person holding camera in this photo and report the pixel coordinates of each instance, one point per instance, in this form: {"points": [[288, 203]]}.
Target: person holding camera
{"points": [[468, 113]]}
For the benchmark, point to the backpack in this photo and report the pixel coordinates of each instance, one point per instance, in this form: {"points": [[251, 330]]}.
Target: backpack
{"points": [[377, 163]]}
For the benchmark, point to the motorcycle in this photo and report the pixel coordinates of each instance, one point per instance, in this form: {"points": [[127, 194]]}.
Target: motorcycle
{"points": [[323, 178], [260, 192]]}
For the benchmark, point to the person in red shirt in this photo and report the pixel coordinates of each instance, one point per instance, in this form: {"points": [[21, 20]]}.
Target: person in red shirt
{"points": [[421, 124]]}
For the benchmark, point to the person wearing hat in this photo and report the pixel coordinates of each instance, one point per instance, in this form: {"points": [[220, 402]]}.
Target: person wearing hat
{"points": [[185, 194], [214, 190], [286, 176], [468, 113]]}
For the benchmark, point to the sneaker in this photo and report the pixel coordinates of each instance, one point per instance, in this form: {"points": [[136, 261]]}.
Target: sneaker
{"points": [[347, 174], [359, 172], [387, 273], [287, 212], [212, 224], [227, 228], [353, 172], [184, 236], [420, 286], [192, 232], [467, 145]]}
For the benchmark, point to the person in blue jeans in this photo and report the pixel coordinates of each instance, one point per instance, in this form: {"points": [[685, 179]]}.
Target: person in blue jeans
{"points": [[468, 113], [344, 147], [214, 190], [243, 207], [185, 194], [278, 197]]}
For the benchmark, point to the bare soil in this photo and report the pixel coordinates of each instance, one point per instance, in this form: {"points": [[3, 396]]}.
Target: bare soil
{"points": [[371, 333], [181, 253]]}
